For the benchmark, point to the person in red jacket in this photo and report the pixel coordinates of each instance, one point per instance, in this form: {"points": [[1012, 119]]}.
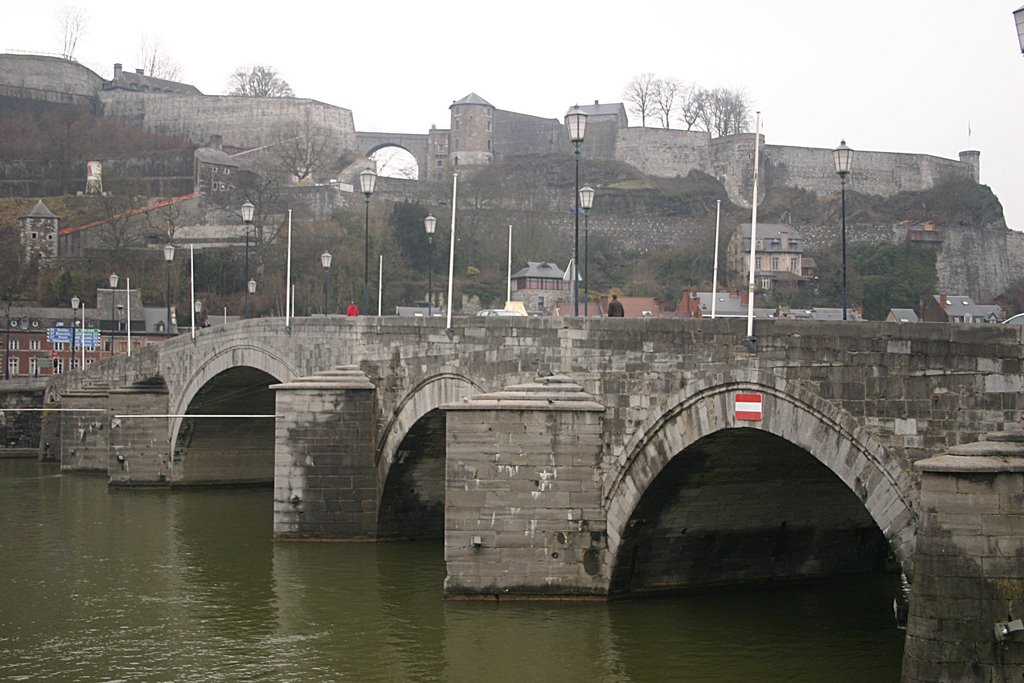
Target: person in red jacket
{"points": [[352, 310]]}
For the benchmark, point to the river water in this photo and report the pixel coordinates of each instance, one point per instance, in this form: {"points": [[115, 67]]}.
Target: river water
{"points": [[102, 585]]}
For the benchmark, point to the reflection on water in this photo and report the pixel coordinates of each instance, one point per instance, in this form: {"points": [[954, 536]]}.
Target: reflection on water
{"points": [[188, 586]]}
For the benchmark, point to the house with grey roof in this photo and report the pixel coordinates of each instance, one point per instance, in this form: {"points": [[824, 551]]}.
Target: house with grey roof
{"points": [[944, 308], [541, 286], [778, 255], [902, 315]]}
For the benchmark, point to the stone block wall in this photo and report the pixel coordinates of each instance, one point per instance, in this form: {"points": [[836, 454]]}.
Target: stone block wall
{"points": [[969, 573], [523, 513], [49, 74], [242, 121], [85, 431], [139, 451], [325, 478], [662, 152], [20, 428]]}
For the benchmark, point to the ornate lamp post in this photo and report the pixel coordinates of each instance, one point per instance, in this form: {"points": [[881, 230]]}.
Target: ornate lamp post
{"points": [[367, 183], [75, 301], [168, 259], [247, 212], [843, 155], [430, 224], [586, 201], [112, 281], [325, 261], [576, 123]]}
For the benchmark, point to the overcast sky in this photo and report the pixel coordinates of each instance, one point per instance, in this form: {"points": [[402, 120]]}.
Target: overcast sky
{"points": [[886, 75]]}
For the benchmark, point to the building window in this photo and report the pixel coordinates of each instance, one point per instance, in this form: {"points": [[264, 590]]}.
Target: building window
{"points": [[33, 367], [34, 345], [757, 263], [13, 345], [35, 234], [775, 263], [794, 265], [458, 124], [488, 126], [58, 346], [58, 366], [488, 145], [766, 283], [12, 365], [440, 163]]}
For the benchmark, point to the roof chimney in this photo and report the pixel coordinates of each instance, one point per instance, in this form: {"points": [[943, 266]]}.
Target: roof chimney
{"points": [[141, 72], [942, 301], [216, 141], [117, 71], [595, 103]]}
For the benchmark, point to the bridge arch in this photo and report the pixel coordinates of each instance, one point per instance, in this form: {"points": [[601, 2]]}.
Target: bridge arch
{"points": [[410, 458], [221, 361], [791, 414]]}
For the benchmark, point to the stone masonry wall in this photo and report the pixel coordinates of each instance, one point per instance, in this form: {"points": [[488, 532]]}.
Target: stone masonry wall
{"points": [[242, 121]]}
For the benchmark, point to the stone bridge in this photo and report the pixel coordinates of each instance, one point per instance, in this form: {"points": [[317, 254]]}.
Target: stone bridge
{"points": [[413, 143], [561, 457]]}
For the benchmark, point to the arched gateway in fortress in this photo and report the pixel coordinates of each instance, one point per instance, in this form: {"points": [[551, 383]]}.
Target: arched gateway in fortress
{"points": [[564, 457]]}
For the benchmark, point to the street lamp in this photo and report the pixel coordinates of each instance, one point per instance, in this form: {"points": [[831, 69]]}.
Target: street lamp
{"points": [[576, 122], [199, 313], [112, 281], [1018, 15], [247, 212], [367, 183], [75, 301], [168, 258], [251, 287], [430, 224], [586, 201], [325, 261], [843, 155]]}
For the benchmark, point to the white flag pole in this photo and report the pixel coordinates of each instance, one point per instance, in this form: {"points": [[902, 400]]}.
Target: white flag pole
{"points": [[288, 277], [451, 251], [714, 277], [753, 233]]}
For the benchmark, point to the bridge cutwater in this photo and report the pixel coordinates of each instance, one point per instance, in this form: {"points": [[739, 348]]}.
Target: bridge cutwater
{"points": [[593, 459]]}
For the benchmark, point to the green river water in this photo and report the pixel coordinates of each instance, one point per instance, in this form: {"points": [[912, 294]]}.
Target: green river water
{"points": [[101, 585]]}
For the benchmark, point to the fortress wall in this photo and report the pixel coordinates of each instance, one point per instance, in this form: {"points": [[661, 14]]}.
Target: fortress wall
{"points": [[41, 73], [877, 173], [516, 134], [243, 121], [732, 163], [663, 152]]}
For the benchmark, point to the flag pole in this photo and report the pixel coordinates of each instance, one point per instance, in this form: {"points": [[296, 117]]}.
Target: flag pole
{"points": [[753, 234]]}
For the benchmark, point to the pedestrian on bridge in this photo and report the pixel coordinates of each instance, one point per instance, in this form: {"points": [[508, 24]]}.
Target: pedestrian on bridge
{"points": [[353, 310]]}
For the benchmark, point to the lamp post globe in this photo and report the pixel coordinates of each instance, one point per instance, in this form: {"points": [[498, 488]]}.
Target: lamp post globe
{"points": [[367, 184], [576, 125], [430, 224], [843, 158]]}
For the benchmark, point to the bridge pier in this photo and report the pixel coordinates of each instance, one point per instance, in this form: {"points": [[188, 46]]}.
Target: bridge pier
{"points": [[967, 597], [325, 480], [84, 442], [523, 514], [139, 453]]}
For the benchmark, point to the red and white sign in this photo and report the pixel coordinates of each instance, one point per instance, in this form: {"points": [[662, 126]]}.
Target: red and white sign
{"points": [[748, 407]]}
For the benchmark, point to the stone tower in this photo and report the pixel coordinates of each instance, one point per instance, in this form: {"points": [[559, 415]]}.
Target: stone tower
{"points": [[39, 233], [472, 132], [973, 158]]}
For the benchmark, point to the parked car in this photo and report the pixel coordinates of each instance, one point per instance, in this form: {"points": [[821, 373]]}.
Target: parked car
{"points": [[487, 312]]}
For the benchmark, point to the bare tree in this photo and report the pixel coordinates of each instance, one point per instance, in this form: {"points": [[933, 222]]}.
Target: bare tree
{"points": [[258, 81], [72, 22], [727, 112], [667, 95], [305, 148], [155, 61], [693, 106], [640, 96]]}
